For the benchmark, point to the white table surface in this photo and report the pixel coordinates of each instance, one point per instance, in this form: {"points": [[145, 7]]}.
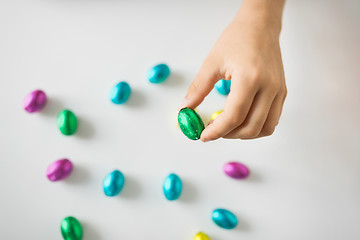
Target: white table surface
{"points": [[305, 181]]}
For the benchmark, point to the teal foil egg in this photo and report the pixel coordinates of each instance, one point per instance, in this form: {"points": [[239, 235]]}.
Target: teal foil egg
{"points": [[224, 218], [223, 86], [172, 187], [158, 73], [113, 183], [120, 93]]}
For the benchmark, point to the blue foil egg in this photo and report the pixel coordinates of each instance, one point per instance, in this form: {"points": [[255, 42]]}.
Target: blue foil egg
{"points": [[224, 218], [172, 187], [113, 183], [120, 93], [223, 86], [158, 73]]}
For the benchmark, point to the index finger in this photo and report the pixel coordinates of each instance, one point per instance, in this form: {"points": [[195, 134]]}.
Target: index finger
{"points": [[237, 106]]}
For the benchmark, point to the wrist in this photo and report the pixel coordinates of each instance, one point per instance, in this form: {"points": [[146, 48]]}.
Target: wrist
{"points": [[264, 15]]}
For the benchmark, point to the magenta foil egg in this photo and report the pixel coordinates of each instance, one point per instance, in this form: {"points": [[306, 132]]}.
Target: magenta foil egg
{"points": [[35, 101], [59, 170], [236, 170]]}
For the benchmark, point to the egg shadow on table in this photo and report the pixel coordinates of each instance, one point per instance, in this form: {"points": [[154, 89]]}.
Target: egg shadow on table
{"points": [[243, 226], [175, 79], [189, 193], [131, 189], [254, 177], [90, 232], [136, 99], [79, 175], [85, 129], [52, 107], [215, 237]]}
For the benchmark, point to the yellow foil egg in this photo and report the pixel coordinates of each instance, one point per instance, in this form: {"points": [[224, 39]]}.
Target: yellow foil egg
{"points": [[215, 115], [201, 236]]}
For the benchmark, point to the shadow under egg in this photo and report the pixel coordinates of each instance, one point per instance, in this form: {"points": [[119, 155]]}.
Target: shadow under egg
{"points": [[137, 99], [78, 175], [254, 177], [189, 192], [85, 129], [52, 108], [90, 232], [131, 189], [243, 226], [174, 80]]}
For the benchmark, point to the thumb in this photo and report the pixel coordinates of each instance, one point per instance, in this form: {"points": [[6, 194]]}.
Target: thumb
{"points": [[201, 86]]}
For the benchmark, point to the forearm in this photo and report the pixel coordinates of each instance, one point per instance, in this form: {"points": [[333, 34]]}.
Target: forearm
{"points": [[262, 14]]}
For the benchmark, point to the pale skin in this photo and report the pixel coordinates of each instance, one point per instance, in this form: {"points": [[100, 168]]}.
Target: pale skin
{"points": [[248, 53]]}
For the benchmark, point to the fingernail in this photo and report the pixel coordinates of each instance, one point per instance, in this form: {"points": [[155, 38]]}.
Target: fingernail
{"points": [[184, 104], [203, 137]]}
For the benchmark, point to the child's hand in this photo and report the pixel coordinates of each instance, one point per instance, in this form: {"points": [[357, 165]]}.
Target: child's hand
{"points": [[248, 53]]}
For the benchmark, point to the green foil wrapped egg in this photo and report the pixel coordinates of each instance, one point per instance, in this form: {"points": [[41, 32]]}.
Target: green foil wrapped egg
{"points": [[190, 123], [71, 229], [67, 122]]}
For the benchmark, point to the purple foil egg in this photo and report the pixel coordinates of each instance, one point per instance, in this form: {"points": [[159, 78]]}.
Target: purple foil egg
{"points": [[236, 170], [59, 170], [35, 101]]}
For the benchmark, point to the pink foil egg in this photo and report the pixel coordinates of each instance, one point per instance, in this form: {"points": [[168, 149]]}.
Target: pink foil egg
{"points": [[236, 170], [35, 101], [59, 170]]}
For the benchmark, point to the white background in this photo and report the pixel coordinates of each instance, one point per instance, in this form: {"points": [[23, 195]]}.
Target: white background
{"points": [[305, 181]]}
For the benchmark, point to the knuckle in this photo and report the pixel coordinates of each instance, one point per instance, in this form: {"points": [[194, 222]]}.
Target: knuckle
{"points": [[254, 71], [285, 92], [235, 119], [268, 130], [194, 87], [250, 133], [254, 77], [274, 86]]}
